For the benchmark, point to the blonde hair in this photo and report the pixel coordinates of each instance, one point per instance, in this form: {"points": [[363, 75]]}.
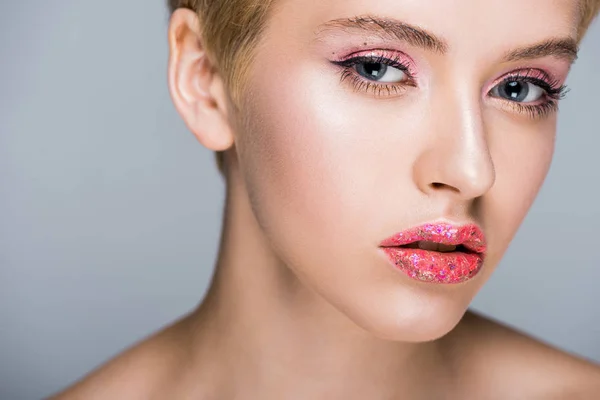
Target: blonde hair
{"points": [[589, 11], [232, 28]]}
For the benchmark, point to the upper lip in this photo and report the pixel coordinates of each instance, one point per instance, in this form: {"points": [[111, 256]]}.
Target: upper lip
{"points": [[470, 236]]}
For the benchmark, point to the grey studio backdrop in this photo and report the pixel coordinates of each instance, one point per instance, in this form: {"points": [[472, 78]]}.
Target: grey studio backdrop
{"points": [[110, 209]]}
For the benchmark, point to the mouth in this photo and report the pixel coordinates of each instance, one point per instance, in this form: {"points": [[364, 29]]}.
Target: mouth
{"points": [[437, 253], [438, 247]]}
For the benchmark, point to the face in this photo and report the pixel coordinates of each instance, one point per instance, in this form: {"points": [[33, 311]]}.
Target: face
{"points": [[368, 120]]}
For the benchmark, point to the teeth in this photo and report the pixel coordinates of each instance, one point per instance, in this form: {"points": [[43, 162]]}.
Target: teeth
{"points": [[432, 246]]}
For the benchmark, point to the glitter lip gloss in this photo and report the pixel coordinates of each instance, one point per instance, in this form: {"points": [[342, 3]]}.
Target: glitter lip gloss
{"points": [[437, 252]]}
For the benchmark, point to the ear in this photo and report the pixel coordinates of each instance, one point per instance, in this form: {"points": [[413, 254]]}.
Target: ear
{"points": [[196, 87]]}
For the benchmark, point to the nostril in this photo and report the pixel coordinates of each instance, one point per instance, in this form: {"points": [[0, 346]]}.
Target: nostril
{"points": [[439, 185]]}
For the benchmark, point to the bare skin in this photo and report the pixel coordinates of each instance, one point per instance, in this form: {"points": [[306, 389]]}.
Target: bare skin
{"points": [[240, 344], [495, 363], [302, 306]]}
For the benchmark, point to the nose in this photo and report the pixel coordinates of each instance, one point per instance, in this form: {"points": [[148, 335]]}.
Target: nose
{"points": [[457, 159]]}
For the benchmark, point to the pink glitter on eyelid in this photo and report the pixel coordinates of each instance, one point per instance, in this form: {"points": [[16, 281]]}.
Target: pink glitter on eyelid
{"points": [[393, 55], [528, 72]]}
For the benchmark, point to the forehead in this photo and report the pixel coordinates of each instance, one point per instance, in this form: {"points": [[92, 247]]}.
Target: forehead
{"points": [[466, 25]]}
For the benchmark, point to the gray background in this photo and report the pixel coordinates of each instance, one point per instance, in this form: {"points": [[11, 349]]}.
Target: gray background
{"points": [[110, 209]]}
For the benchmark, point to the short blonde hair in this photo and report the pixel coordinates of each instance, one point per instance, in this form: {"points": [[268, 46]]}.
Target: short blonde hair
{"points": [[589, 11], [232, 28]]}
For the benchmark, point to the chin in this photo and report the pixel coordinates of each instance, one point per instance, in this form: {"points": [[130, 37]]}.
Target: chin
{"points": [[412, 318]]}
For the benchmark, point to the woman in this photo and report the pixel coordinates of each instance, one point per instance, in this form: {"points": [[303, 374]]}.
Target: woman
{"points": [[379, 158]]}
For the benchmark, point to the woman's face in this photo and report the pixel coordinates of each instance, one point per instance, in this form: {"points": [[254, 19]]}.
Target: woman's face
{"points": [[369, 118]]}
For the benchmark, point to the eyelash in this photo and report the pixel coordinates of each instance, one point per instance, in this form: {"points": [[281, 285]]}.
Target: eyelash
{"points": [[553, 91], [361, 84]]}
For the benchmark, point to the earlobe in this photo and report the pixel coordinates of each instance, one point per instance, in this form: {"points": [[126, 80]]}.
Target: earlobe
{"points": [[195, 86]]}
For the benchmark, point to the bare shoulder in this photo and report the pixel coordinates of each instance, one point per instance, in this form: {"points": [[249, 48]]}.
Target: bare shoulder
{"points": [[516, 364], [140, 372]]}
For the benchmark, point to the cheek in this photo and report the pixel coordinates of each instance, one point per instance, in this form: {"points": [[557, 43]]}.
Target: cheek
{"points": [[522, 155], [292, 176], [314, 154], [289, 153]]}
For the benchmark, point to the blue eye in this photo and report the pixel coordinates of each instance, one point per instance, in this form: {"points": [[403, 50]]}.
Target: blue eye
{"points": [[519, 91], [380, 72], [382, 75]]}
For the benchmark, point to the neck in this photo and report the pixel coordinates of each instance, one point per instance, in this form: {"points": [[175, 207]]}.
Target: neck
{"points": [[265, 335]]}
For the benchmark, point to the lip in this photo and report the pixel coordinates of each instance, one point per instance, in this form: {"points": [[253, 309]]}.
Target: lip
{"points": [[435, 266]]}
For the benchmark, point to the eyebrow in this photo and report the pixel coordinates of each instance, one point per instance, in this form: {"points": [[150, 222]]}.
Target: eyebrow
{"points": [[388, 29], [392, 29], [560, 48]]}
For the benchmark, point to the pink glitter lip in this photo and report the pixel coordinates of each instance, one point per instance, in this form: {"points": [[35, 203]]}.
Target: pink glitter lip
{"points": [[438, 266]]}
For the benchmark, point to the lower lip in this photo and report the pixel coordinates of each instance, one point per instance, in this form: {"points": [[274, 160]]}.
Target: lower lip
{"points": [[434, 266]]}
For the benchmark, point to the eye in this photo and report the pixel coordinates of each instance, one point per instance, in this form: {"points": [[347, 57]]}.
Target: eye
{"points": [[380, 72], [530, 91], [383, 73], [519, 91]]}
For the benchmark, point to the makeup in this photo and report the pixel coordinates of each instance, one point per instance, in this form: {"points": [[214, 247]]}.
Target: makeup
{"points": [[367, 71], [437, 252]]}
